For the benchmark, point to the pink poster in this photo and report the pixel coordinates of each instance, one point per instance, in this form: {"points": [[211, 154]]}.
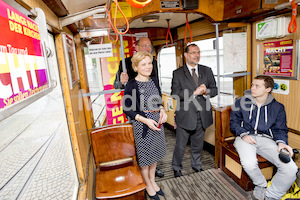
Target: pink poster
{"points": [[110, 67], [278, 58], [23, 69]]}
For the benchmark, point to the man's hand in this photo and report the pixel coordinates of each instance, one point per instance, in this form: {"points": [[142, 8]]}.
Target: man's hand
{"points": [[287, 147], [124, 78], [200, 90], [248, 139]]}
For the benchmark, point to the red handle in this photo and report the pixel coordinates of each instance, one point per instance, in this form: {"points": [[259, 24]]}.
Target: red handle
{"points": [[293, 24]]}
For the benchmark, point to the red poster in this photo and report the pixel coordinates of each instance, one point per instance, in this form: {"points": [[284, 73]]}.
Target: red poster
{"points": [[23, 70], [110, 67], [278, 58]]}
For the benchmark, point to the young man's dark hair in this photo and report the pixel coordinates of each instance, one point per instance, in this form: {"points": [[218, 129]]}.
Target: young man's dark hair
{"points": [[269, 82]]}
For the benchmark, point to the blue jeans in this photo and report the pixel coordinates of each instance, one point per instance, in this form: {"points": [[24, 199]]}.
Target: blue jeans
{"points": [[267, 148]]}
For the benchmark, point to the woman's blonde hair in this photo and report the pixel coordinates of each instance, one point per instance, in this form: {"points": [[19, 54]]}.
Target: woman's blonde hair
{"points": [[138, 57]]}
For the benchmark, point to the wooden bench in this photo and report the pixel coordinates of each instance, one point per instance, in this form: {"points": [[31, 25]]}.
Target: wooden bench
{"points": [[226, 156], [117, 174]]}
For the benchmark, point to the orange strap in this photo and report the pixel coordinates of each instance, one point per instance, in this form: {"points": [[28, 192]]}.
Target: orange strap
{"points": [[132, 40], [115, 20], [187, 26], [293, 20], [110, 25], [169, 33], [138, 4]]}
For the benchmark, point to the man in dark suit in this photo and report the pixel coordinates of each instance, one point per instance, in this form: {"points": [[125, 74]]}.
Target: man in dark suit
{"points": [[192, 85], [143, 44]]}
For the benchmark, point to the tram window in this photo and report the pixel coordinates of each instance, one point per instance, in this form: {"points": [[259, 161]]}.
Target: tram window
{"points": [[167, 64], [209, 58], [95, 85]]}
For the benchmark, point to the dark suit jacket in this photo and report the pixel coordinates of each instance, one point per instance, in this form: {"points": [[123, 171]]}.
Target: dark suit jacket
{"points": [[131, 74], [184, 85]]}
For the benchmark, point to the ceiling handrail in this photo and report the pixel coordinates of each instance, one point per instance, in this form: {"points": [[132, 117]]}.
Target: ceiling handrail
{"points": [[187, 26], [137, 4], [169, 33], [115, 20]]}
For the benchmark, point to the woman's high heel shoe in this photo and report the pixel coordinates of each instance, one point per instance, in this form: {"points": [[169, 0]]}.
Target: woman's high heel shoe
{"points": [[160, 192], [156, 197]]}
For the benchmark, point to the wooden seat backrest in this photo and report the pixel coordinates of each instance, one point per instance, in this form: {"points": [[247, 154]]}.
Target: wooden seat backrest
{"points": [[113, 142], [225, 123], [226, 134]]}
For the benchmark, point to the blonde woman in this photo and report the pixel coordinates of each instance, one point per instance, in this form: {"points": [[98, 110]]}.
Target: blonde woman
{"points": [[142, 103]]}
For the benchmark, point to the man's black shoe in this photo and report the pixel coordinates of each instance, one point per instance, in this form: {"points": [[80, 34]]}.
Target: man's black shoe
{"points": [[197, 170], [159, 173], [177, 173]]}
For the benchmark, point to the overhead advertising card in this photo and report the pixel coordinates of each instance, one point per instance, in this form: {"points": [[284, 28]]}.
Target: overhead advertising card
{"points": [[23, 69], [100, 50], [278, 58]]}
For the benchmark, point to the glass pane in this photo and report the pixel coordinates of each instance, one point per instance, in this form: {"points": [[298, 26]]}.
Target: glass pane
{"points": [[208, 58], [167, 64], [95, 84], [208, 55]]}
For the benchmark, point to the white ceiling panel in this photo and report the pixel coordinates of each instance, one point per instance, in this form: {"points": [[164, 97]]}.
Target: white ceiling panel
{"points": [[75, 6], [177, 20]]}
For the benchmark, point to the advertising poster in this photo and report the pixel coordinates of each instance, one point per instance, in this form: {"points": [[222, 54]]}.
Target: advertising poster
{"points": [[278, 58], [23, 70], [110, 66]]}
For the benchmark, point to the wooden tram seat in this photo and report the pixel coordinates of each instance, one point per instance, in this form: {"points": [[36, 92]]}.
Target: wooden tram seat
{"points": [[228, 158], [117, 174]]}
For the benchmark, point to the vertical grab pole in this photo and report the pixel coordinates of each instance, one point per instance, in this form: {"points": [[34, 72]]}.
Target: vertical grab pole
{"points": [[122, 53], [218, 61]]}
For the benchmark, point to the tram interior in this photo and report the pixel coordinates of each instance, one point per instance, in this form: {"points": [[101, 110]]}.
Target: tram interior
{"points": [[45, 142]]}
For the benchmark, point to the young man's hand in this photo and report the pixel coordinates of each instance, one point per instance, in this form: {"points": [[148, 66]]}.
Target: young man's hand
{"points": [[287, 147], [249, 139]]}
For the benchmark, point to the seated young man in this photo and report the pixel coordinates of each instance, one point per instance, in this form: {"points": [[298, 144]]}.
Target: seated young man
{"points": [[259, 122]]}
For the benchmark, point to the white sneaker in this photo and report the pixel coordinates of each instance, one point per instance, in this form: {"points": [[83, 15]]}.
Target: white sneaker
{"points": [[259, 193]]}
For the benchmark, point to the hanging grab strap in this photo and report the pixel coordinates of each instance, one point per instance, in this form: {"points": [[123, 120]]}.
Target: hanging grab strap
{"points": [[293, 20], [169, 33], [115, 20], [137, 4], [132, 40], [187, 26], [110, 25]]}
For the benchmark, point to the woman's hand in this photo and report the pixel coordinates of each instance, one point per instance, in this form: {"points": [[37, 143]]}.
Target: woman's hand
{"points": [[162, 116], [150, 123]]}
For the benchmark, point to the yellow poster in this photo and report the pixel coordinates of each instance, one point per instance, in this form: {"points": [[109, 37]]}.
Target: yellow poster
{"points": [[124, 6]]}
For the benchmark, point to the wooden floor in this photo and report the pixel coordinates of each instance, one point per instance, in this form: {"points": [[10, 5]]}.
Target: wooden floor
{"points": [[165, 164], [210, 184]]}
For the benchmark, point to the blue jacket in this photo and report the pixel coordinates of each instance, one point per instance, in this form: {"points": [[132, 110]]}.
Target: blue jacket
{"points": [[269, 120]]}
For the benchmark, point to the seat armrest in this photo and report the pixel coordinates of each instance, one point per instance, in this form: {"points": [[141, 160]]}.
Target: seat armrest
{"points": [[229, 139]]}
